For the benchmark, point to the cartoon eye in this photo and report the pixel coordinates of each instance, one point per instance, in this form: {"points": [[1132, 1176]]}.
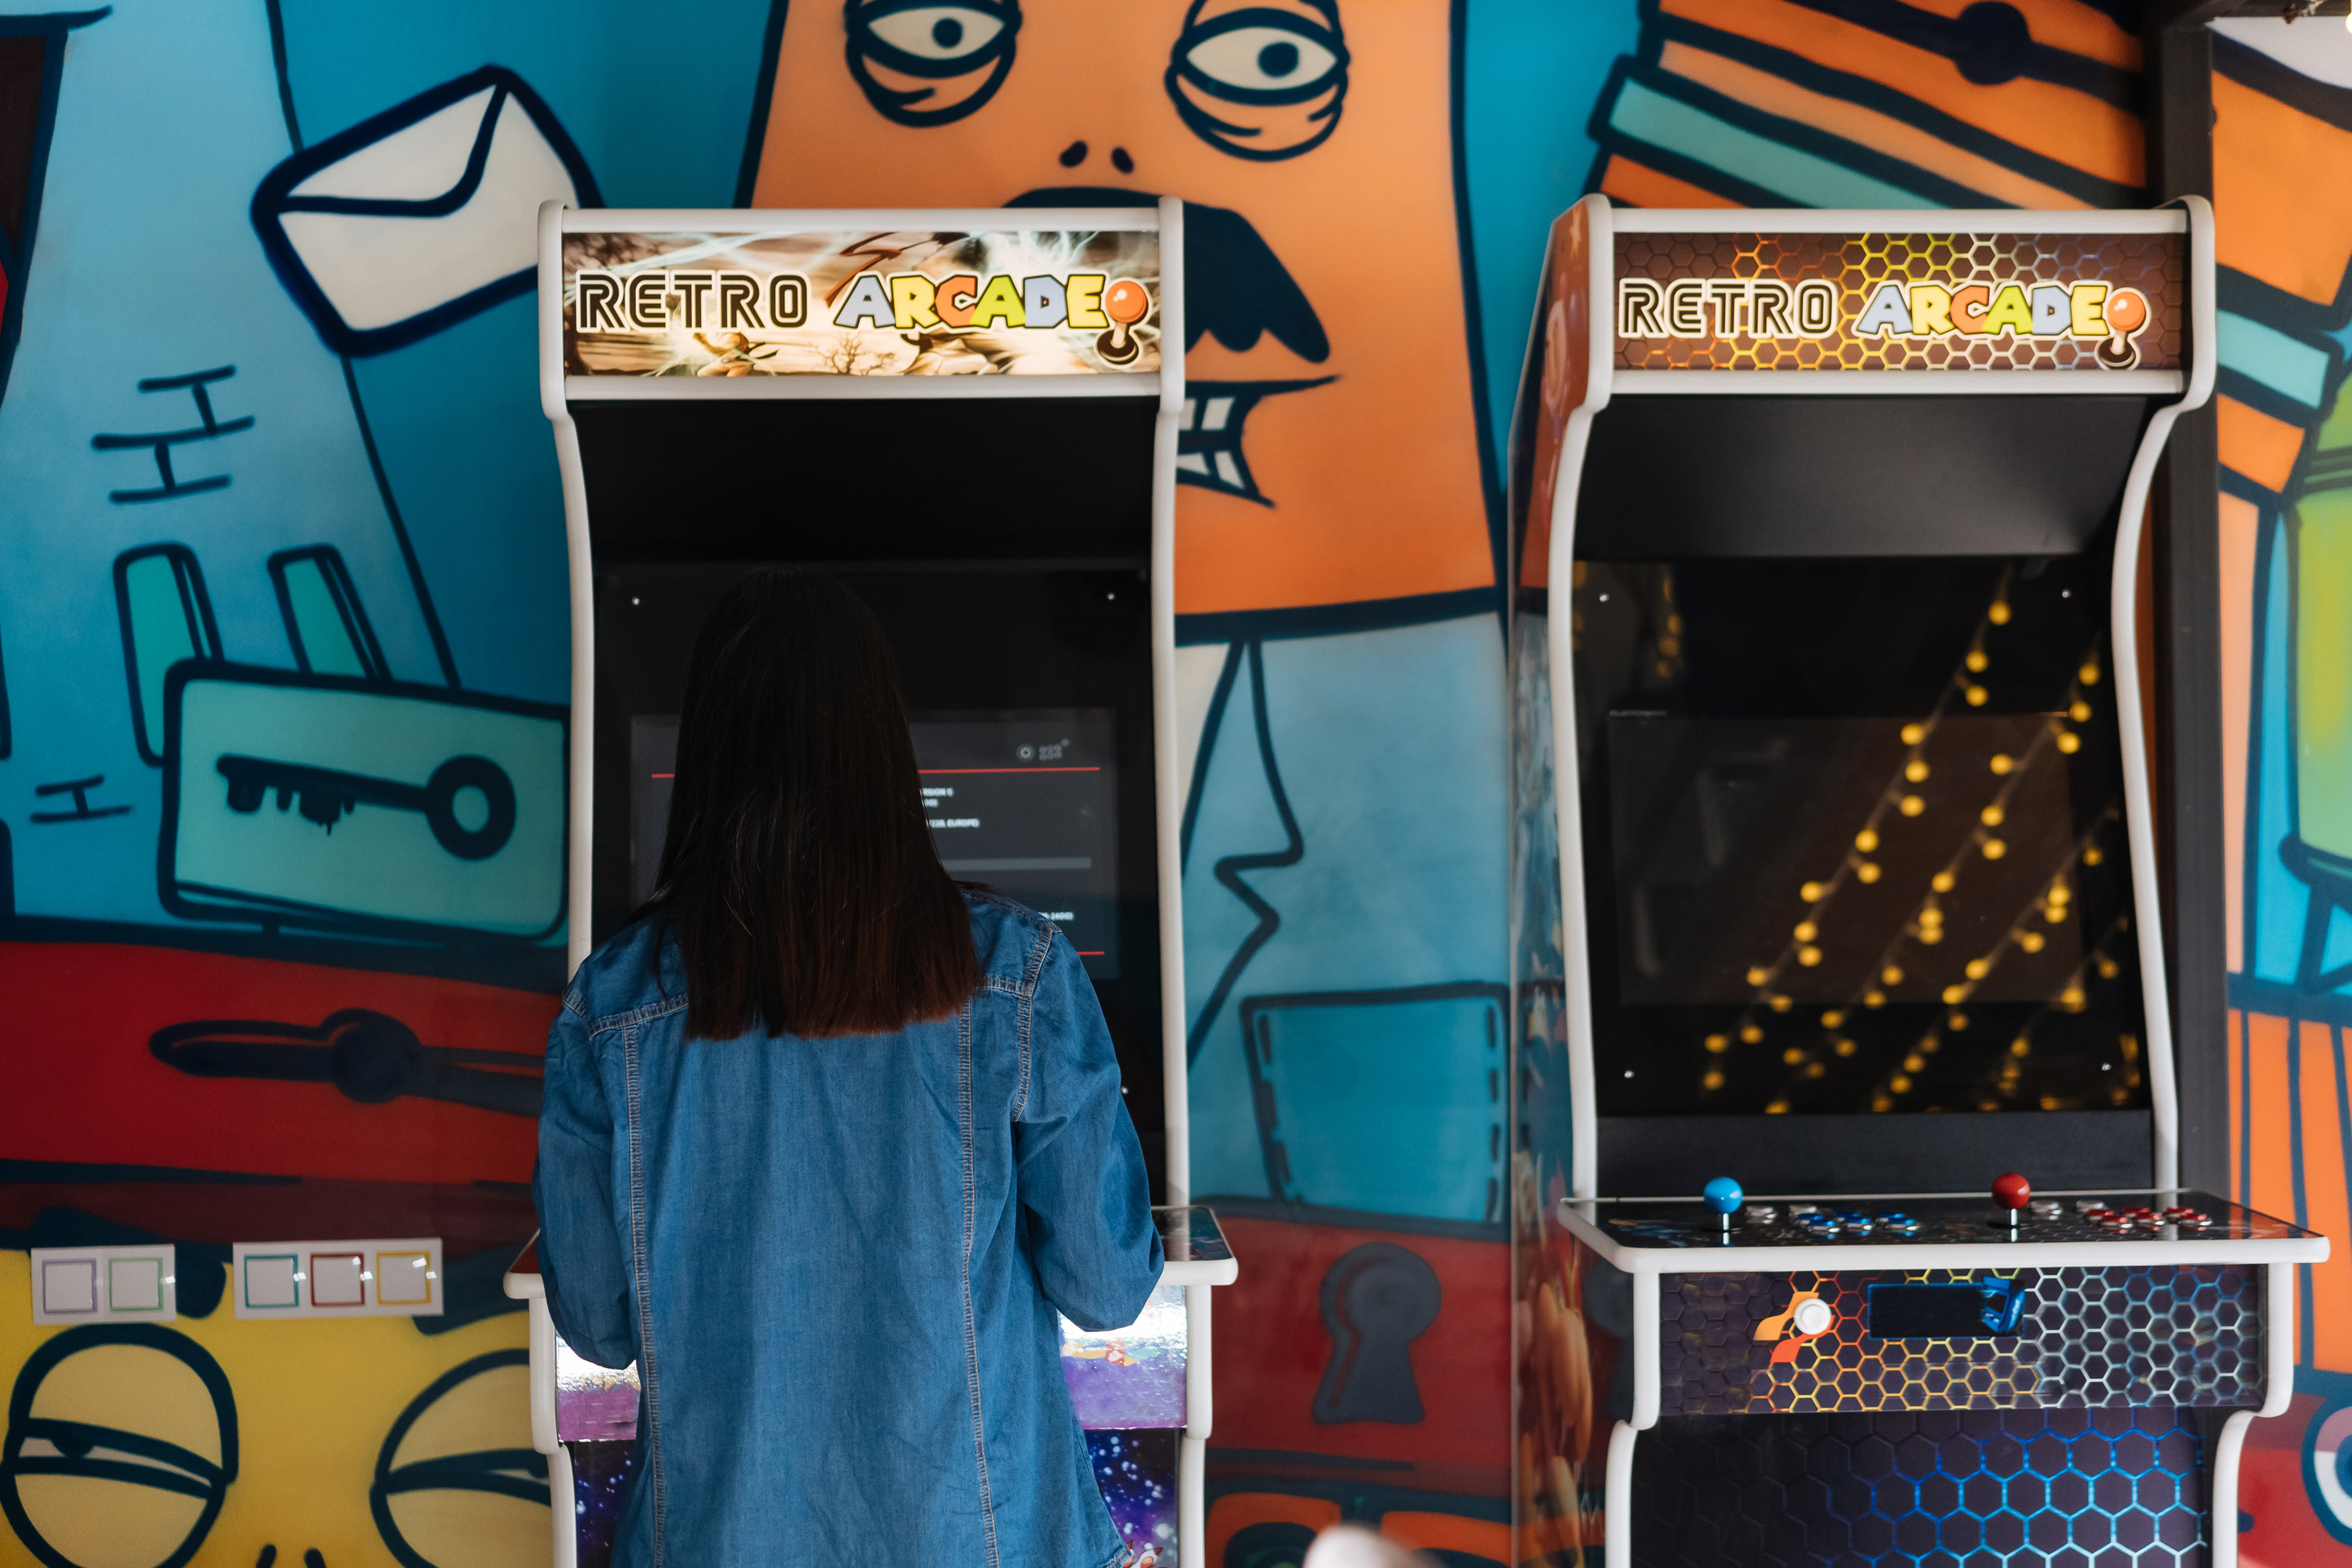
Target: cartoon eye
{"points": [[1275, 76], [120, 1447], [1264, 59], [938, 35], [458, 1484], [925, 62]]}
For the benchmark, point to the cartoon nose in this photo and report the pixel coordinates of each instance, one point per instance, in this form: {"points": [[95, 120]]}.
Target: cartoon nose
{"points": [[1076, 152]]}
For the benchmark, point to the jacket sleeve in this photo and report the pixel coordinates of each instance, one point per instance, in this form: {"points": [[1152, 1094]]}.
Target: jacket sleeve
{"points": [[581, 1257], [1084, 1194]]}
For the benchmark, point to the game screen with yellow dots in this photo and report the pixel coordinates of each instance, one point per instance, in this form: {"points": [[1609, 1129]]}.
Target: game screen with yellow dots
{"points": [[1863, 824]]}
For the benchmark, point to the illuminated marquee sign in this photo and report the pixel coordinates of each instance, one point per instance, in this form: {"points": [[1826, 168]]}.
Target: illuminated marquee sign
{"points": [[1725, 308], [1830, 301], [862, 304]]}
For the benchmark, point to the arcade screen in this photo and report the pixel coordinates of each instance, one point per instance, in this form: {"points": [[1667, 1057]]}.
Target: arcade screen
{"points": [[1023, 801], [1861, 823]]}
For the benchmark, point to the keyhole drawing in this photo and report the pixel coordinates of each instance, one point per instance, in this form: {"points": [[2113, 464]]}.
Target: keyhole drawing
{"points": [[1376, 1302]]}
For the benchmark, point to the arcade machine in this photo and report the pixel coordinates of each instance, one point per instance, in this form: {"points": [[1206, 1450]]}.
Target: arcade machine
{"points": [[1836, 881], [969, 417]]}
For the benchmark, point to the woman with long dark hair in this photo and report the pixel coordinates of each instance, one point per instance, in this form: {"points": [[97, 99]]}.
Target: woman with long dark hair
{"points": [[828, 1139]]}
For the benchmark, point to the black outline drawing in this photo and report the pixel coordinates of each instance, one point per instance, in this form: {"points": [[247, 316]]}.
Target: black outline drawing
{"points": [[864, 45], [273, 915], [82, 810], [210, 427], [275, 198], [372, 1058], [484, 1472], [1256, 1043], [208, 1480], [1229, 138]]}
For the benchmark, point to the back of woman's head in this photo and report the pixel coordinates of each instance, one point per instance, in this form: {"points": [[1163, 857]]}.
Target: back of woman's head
{"points": [[798, 873]]}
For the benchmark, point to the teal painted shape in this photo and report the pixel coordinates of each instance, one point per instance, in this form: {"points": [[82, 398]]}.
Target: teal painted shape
{"points": [[2275, 900], [373, 866], [472, 459], [1800, 178], [467, 452], [2286, 366], [1392, 749], [325, 641], [159, 602], [1531, 71], [146, 266], [1390, 1104]]}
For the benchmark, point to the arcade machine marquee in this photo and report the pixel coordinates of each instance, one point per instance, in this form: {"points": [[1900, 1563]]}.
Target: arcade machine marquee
{"points": [[970, 419], [1837, 933]]}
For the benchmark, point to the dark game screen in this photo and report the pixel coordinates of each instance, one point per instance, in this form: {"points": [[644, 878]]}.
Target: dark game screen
{"points": [[1022, 802], [1854, 838]]}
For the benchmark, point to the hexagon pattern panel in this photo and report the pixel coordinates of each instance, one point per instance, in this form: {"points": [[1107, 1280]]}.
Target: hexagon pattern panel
{"points": [[1972, 277], [2097, 1338], [2086, 1489]]}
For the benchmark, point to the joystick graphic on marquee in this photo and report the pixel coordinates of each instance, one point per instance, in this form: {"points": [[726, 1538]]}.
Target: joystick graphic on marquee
{"points": [[2012, 1192], [2127, 313], [1124, 302], [1722, 1196]]}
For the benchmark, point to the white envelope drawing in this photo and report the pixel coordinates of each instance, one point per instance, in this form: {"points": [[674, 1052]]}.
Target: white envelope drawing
{"points": [[421, 217]]}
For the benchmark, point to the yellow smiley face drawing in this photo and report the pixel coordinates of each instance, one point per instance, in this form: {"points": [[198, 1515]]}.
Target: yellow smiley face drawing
{"points": [[1331, 454], [216, 1441]]}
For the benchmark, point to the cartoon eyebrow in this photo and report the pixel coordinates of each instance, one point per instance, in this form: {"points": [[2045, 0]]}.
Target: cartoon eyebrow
{"points": [[1236, 288], [190, 1473], [487, 1470]]}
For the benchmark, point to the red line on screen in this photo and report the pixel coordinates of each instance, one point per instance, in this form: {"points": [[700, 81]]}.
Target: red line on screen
{"points": [[664, 775], [927, 772], [1084, 952]]}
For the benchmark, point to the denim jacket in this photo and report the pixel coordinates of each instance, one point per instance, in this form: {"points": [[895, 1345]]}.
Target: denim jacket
{"points": [[836, 1262]]}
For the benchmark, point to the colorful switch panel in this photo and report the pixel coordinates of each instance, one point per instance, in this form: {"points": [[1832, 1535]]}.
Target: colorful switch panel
{"points": [[105, 1284], [380, 1278]]}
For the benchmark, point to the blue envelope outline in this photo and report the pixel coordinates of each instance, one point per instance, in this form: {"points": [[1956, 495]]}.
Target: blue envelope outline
{"points": [[297, 916], [274, 198]]}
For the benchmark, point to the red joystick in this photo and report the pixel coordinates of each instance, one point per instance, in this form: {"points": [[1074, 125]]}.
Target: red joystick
{"points": [[2013, 1192]]}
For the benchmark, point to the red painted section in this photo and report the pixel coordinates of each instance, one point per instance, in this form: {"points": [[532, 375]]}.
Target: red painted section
{"points": [[2279, 1526], [82, 1085], [1272, 1349]]}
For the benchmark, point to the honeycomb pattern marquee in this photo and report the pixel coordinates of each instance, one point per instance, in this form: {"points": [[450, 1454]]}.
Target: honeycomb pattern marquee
{"points": [[2155, 264], [2056, 1488]]}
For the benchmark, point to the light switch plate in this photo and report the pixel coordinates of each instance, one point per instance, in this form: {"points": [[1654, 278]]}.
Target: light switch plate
{"points": [[364, 1279], [132, 1284]]}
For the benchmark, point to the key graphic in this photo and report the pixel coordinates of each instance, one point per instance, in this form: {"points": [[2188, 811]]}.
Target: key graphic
{"points": [[326, 795]]}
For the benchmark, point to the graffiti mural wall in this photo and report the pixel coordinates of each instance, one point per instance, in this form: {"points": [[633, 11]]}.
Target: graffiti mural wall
{"points": [[2282, 132], [287, 543]]}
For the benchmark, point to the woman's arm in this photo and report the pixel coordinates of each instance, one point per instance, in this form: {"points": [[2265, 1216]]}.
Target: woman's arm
{"points": [[1083, 1189], [581, 1255]]}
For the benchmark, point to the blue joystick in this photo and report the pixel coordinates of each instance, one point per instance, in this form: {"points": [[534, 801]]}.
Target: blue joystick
{"points": [[1722, 1196]]}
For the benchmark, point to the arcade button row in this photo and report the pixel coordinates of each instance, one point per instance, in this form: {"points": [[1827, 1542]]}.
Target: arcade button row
{"points": [[2012, 1193]]}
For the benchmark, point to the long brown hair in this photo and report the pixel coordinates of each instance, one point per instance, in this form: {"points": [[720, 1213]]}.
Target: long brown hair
{"points": [[798, 874]]}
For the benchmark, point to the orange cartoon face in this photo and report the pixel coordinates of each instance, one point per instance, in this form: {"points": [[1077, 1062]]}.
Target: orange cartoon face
{"points": [[1331, 453]]}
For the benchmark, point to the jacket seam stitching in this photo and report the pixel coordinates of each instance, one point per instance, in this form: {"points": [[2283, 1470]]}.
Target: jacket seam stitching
{"points": [[970, 1328], [635, 1015], [645, 1293], [1028, 1015]]}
